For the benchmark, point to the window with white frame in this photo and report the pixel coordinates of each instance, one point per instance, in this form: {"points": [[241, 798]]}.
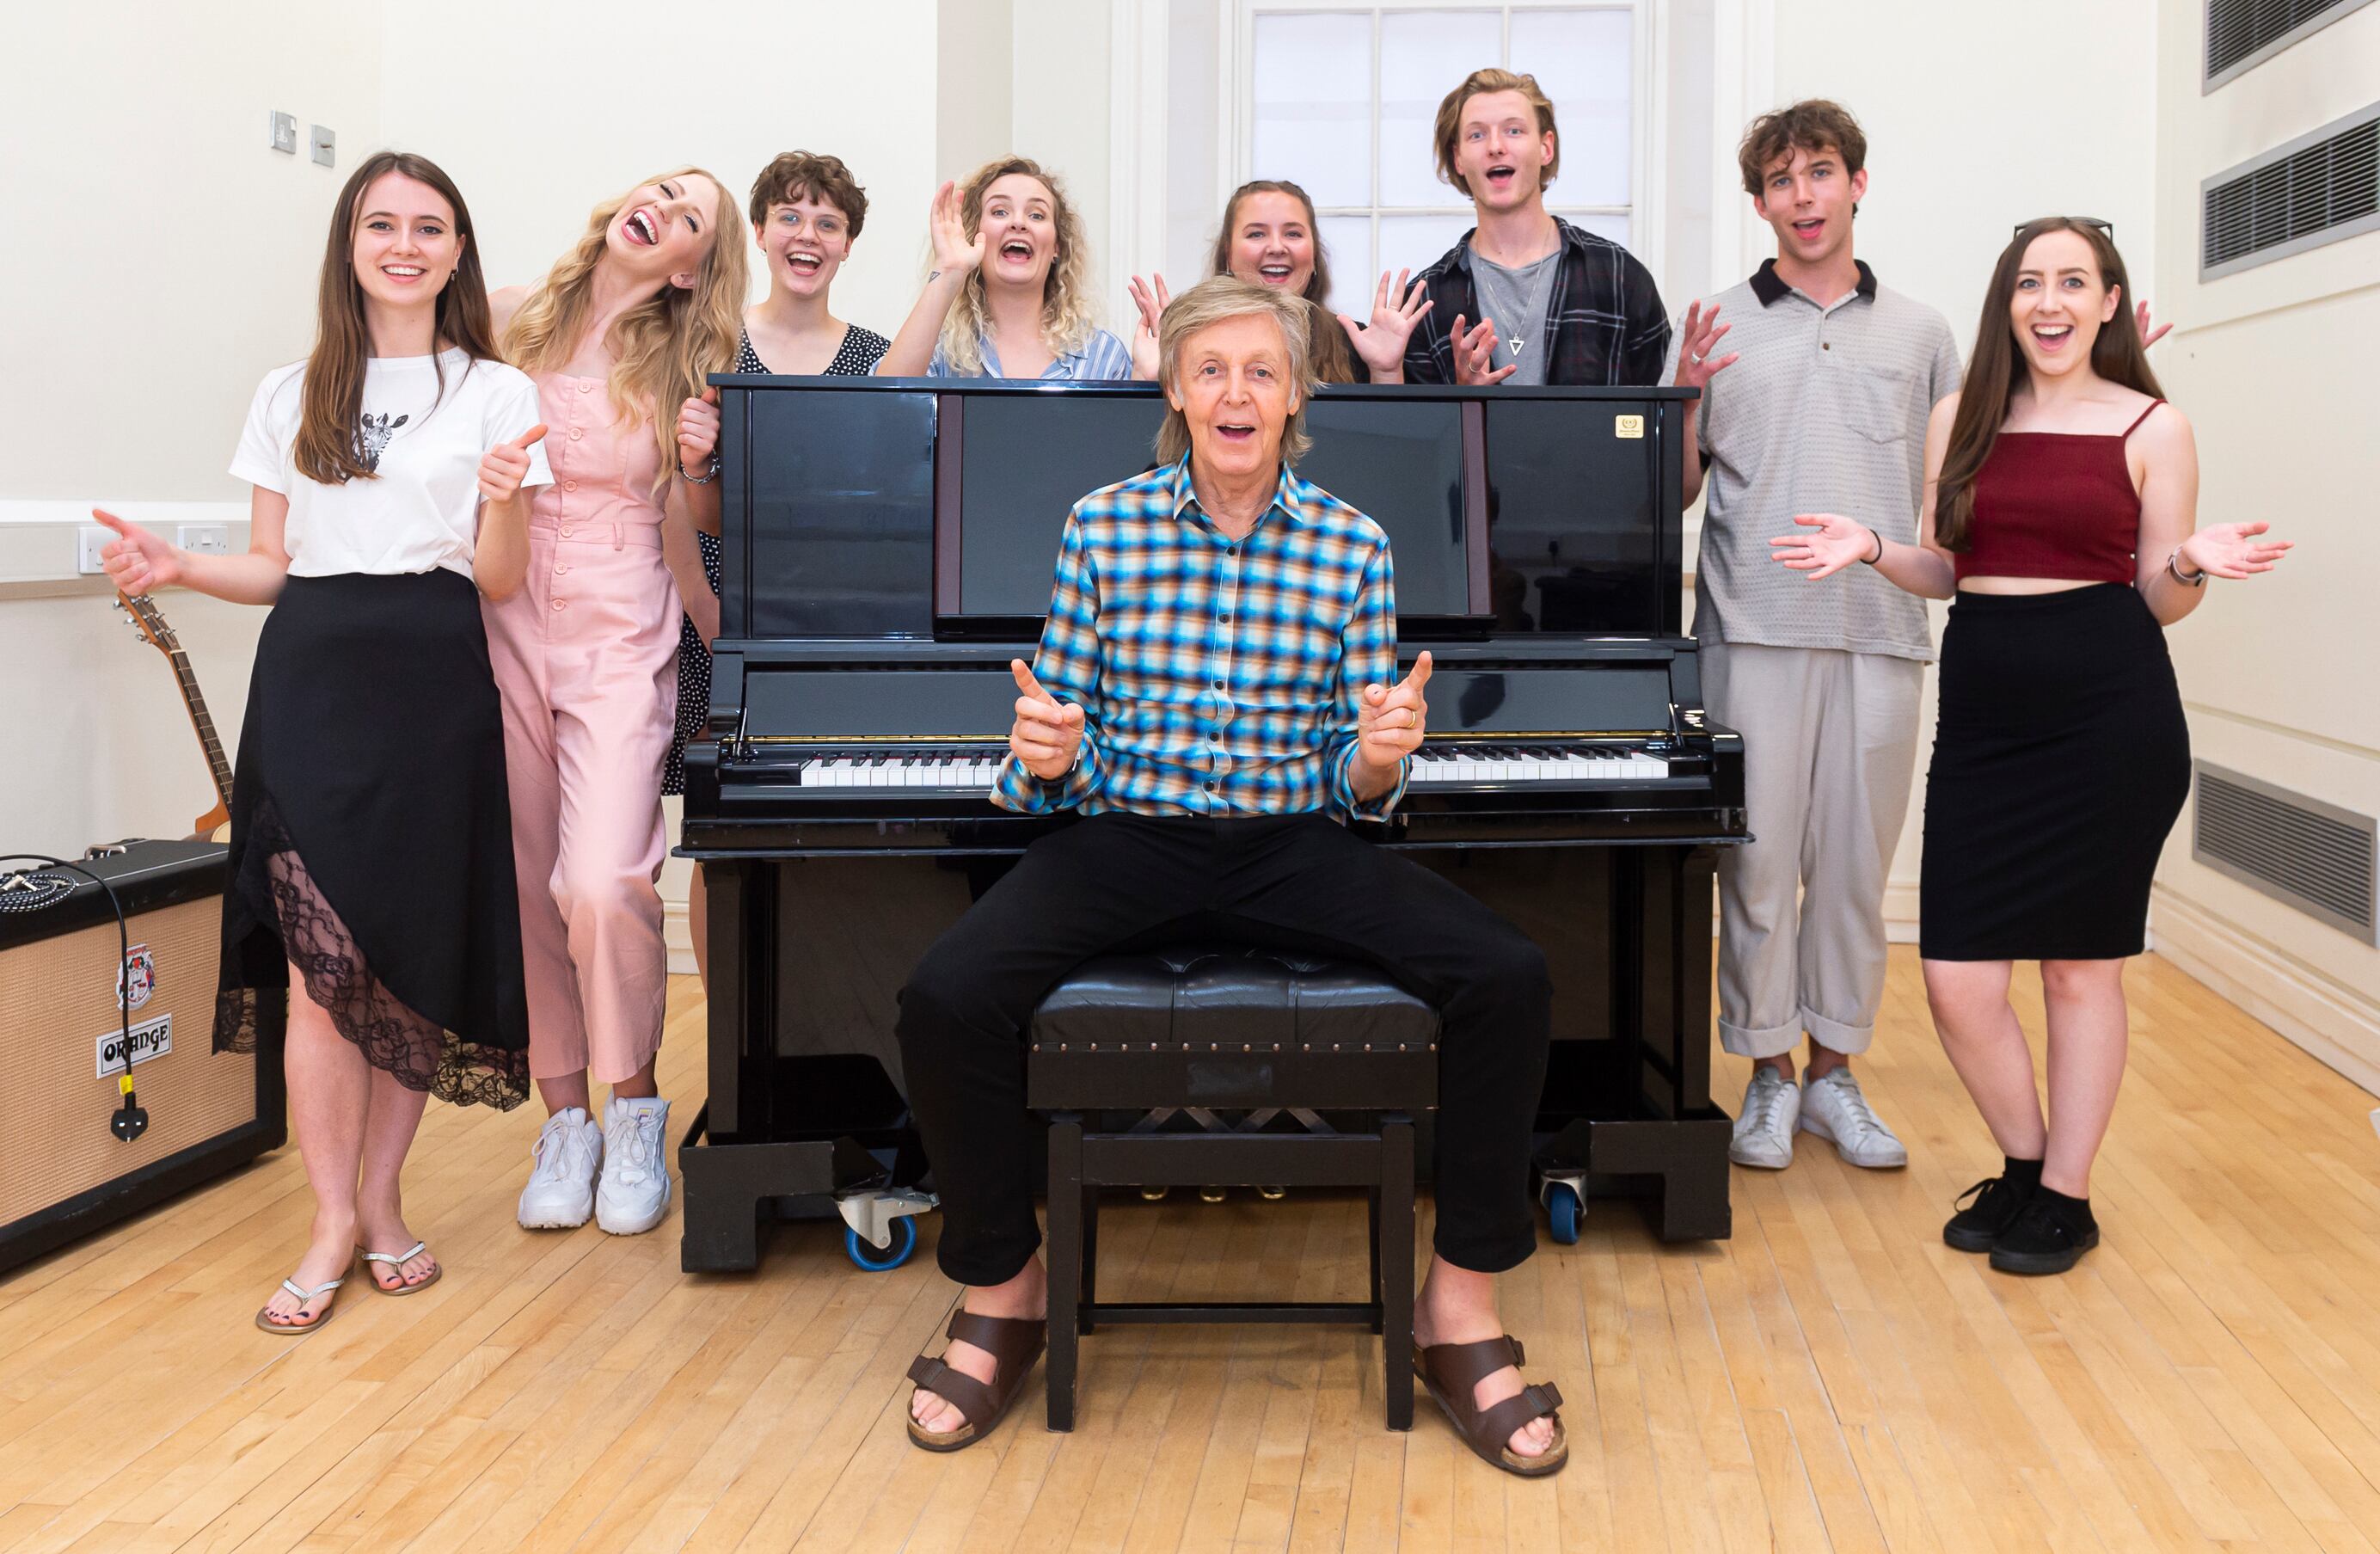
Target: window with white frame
{"points": [[1341, 99]]}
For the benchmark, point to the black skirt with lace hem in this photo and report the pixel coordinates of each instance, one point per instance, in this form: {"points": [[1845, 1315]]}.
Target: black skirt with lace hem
{"points": [[371, 837]]}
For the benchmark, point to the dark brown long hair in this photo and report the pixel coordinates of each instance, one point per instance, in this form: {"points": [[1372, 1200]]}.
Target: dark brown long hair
{"points": [[2116, 355], [1334, 359], [326, 450]]}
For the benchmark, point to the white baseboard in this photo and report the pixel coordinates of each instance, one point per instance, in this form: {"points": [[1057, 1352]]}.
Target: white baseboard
{"points": [[2333, 1022], [678, 932]]}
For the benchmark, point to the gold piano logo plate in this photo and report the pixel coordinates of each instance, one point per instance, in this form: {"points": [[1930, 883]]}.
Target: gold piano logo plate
{"points": [[1628, 426]]}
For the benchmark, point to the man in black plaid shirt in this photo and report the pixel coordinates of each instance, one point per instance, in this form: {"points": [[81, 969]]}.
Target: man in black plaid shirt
{"points": [[1552, 304]]}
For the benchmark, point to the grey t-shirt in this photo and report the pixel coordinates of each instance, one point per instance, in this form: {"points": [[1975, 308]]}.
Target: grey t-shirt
{"points": [[1825, 412], [1516, 300]]}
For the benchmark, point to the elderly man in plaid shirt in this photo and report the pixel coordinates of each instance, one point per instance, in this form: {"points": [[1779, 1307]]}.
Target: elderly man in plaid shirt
{"points": [[1216, 690]]}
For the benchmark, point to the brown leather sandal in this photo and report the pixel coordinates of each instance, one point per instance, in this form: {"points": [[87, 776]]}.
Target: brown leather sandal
{"points": [[1449, 1371], [1014, 1342]]}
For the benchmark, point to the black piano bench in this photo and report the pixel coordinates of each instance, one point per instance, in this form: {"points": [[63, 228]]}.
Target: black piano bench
{"points": [[1201, 1030]]}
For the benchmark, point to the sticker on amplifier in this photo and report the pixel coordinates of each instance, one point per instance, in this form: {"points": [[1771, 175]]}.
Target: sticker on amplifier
{"points": [[150, 1038], [137, 980]]}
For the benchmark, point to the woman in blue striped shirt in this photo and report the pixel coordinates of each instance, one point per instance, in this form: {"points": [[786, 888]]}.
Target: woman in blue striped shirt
{"points": [[1008, 295]]}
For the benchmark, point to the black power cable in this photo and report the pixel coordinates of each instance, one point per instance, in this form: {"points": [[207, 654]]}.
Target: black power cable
{"points": [[31, 892]]}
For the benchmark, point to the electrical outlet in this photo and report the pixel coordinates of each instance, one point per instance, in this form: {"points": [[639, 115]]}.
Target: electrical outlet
{"points": [[211, 540], [90, 540], [281, 128], [325, 142]]}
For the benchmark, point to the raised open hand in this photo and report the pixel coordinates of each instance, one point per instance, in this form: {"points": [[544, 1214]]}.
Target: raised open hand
{"points": [[138, 560], [1047, 733], [1475, 350], [2150, 336], [1149, 296], [953, 249], [1837, 543], [1382, 343], [505, 465], [1699, 338], [1394, 719], [2233, 550]]}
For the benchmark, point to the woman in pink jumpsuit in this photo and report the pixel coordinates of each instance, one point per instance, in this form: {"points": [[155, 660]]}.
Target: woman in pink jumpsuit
{"points": [[644, 305]]}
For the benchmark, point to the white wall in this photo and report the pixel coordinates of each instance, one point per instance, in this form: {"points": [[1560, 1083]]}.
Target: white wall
{"points": [[2272, 365]]}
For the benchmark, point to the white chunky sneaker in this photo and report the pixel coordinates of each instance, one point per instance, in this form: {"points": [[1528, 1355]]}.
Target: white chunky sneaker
{"points": [[1833, 1108], [1764, 1129], [560, 1190], [634, 1191]]}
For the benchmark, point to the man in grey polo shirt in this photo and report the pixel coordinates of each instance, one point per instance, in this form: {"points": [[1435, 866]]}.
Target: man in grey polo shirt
{"points": [[1821, 409]]}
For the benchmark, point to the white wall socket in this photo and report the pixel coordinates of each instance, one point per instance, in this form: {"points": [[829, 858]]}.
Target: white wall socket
{"points": [[91, 539], [212, 540], [282, 129]]}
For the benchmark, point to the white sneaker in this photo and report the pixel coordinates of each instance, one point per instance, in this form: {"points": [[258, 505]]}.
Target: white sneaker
{"points": [[634, 1191], [1764, 1129], [560, 1190], [1833, 1108]]}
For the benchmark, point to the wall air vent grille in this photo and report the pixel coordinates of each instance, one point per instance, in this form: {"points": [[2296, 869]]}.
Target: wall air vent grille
{"points": [[2316, 856], [2242, 34], [2318, 188]]}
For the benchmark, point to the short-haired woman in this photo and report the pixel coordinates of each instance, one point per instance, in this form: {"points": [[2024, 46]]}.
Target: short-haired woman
{"points": [[2060, 511], [1008, 294]]}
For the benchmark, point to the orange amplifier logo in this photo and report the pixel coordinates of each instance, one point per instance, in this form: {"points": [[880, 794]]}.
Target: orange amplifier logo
{"points": [[150, 1038]]}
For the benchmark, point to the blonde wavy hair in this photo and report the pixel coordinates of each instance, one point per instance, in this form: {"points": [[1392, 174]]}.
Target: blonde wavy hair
{"points": [[1211, 302], [664, 347], [1067, 319]]}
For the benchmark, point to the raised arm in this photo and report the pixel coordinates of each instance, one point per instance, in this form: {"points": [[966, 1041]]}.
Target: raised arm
{"points": [[1829, 542], [955, 255], [1697, 362]]}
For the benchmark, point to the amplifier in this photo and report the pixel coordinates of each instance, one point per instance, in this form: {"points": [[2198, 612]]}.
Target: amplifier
{"points": [[64, 1171]]}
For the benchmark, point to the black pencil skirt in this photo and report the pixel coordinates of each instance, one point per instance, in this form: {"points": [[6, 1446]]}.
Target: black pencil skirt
{"points": [[372, 836], [2061, 759]]}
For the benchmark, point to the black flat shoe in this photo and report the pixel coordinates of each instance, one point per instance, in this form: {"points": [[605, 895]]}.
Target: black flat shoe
{"points": [[1978, 1226], [2049, 1236]]}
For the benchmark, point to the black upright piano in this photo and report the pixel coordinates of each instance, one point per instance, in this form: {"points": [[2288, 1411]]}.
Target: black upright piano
{"points": [[888, 547]]}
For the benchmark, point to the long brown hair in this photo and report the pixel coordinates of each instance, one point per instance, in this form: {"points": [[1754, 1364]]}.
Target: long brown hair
{"points": [[331, 400], [2116, 355], [1334, 359], [1066, 319], [664, 347]]}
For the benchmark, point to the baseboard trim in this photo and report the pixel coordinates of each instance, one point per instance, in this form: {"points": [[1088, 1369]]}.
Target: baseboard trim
{"points": [[2333, 1022], [677, 933]]}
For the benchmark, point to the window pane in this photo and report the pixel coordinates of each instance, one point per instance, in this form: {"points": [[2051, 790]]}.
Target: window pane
{"points": [[1614, 227], [1313, 88], [1424, 56], [1582, 60], [1412, 242], [1347, 240]]}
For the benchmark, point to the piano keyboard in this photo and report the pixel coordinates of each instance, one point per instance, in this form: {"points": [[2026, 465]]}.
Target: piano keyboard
{"points": [[1436, 765]]}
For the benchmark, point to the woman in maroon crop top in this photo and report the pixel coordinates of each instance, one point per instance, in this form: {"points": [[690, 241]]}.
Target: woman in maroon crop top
{"points": [[2059, 511]]}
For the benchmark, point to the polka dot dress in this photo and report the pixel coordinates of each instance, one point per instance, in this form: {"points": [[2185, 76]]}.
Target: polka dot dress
{"points": [[856, 358]]}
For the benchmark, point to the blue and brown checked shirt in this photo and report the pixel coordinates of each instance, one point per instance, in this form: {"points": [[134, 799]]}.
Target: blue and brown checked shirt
{"points": [[1215, 677]]}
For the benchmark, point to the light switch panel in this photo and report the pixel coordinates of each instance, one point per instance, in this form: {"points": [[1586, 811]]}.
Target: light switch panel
{"points": [[326, 146], [284, 130]]}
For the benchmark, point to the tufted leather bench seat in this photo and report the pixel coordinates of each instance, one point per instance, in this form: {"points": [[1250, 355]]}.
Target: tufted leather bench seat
{"points": [[1199, 1031]]}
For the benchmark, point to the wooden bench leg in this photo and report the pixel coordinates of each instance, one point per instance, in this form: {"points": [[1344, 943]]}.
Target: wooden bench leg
{"points": [[1394, 1252], [1065, 1263]]}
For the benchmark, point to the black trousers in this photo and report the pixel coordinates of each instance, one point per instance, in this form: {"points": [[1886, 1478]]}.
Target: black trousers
{"points": [[1297, 880]]}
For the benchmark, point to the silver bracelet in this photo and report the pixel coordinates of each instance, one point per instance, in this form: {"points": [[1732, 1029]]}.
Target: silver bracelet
{"points": [[699, 480], [2173, 565]]}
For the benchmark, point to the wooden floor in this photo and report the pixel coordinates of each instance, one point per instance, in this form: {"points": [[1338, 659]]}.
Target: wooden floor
{"points": [[1833, 1376]]}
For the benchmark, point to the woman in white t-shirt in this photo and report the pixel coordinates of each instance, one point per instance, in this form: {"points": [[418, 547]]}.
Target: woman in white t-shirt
{"points": [[371, 835]]}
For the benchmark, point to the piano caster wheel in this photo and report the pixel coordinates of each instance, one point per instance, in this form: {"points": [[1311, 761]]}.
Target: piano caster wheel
{"points": [[1562, 1210], [1272, 1195], [1152, 1195], [904, 1241], [1210, 1194]]}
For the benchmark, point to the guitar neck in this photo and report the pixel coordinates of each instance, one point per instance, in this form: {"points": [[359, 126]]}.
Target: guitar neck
{"points": [[196, 705]]}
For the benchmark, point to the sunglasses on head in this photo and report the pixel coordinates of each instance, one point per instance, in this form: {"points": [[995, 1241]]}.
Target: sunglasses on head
{"points": [[2105, 228]]}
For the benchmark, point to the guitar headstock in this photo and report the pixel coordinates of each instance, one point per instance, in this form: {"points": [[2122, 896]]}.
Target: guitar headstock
{"points": [[149, 621]]}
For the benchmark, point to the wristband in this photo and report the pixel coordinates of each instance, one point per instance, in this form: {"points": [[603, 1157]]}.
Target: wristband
{"points": [[2173, 565], [1871, 560]]}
